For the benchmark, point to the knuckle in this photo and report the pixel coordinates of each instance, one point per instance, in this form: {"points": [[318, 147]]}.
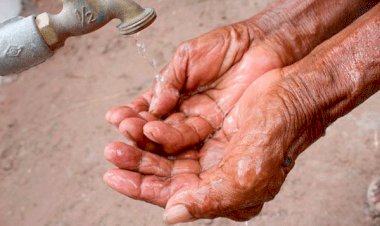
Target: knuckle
{"points": [[241, 31]]}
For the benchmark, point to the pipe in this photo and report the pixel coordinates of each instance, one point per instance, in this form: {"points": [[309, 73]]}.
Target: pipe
{"points": [[21, 45], [26, 42]]}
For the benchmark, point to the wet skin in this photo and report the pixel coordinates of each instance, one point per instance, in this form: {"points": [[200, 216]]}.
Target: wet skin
{"points": [[208, 75], [279, 115]]}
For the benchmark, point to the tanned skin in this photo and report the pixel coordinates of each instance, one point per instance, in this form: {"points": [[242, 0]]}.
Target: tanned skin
{"points": [[266, 122]]}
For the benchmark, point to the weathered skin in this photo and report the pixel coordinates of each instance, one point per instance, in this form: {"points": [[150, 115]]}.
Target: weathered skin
{"points": [[278, 116], [209, 74]]}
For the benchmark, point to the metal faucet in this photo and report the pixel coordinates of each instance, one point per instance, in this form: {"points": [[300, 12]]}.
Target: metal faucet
{"points": [[26, 42]]}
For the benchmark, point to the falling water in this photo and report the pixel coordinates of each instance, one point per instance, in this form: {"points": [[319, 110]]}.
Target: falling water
{"points": [[141, 49]]}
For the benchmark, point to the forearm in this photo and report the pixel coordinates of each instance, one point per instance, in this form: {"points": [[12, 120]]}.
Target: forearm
{"points": [[293, 28], [341, 73]]}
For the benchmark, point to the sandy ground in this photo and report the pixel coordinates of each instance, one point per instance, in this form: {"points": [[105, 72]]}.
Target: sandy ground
{"points": [[53, 132]]}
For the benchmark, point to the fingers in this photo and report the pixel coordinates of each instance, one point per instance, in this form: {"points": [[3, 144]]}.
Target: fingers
{"points": [[131, 119], [215, 196], [166, 96], [186, 155], [184, 130], [205, 203], [198, 63], [132, 129], [127, 157], [176, 133], [152, 189], [206, 105], [137, 108], [116, 115], [142, 102], [166, 89], [131, 158], [177, 137], [210, 198]]}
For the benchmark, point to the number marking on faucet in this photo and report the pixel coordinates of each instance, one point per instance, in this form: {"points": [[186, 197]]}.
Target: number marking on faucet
{"points": [[85, 16]]}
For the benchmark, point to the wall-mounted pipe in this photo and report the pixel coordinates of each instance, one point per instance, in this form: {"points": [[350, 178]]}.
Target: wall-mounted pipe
{"points": [[21, 45], [26, 42]]}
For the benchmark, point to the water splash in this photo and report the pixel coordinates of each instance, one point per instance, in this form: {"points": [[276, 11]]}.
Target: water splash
{"points": [[160, 78]]}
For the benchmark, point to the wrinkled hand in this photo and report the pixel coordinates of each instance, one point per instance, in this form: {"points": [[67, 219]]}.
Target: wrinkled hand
{"points": [[233, 174], [206, 77], [244, 164]]}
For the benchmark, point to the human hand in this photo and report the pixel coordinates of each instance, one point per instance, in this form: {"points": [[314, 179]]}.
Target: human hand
{"points": [[212, 71], [245, 163], [231, 175], [208, 75]]}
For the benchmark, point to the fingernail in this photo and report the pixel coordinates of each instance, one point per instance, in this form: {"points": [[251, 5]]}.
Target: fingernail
{"points": [[107, 177], [149, 131], [177, 214], [115, 181], [109, 153], [109, 116]]}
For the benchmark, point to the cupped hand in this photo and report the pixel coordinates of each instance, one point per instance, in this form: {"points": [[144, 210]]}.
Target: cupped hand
{"points": [[244, 164], [207, 75], [233, 173], [201, 84]]}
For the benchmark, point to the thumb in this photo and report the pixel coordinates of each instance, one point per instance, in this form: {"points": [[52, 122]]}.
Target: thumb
{"points": [[177, 214], [179, 206], [169, 82], [201, 202], [165, 98]]}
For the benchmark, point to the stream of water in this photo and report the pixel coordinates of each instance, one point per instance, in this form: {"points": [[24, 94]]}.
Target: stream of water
{"points": [[142, 51]]}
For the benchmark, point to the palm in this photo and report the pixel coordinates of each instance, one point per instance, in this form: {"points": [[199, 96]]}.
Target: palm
{"points": [[219, 67], [226, 177], [189, 176]]}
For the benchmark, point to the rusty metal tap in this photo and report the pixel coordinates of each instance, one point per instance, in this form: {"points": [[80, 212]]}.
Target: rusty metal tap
{"points": [[26, 42]]}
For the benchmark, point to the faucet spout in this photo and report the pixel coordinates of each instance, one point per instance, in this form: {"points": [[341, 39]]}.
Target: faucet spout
{"points": [[79, 17]]}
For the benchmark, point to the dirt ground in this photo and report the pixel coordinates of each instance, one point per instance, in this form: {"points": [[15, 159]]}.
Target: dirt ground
{"points": [[53, 132]]}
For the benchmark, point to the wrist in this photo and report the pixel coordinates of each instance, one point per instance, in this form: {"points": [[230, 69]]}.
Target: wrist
{"points": [[341, 73], [292, 29]]}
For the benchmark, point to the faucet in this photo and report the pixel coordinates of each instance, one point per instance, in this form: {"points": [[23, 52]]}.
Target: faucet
{"points": [[27, 42]]}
